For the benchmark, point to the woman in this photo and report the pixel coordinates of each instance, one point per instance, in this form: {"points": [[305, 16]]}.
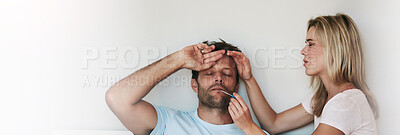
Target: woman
{"points": [[341, 103]]}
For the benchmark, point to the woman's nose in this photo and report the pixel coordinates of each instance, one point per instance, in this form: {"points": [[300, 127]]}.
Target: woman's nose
{"points": [[303, 51]]}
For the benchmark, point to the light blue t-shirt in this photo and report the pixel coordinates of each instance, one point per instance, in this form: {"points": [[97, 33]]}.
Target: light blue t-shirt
{"points": [[175, 122]]}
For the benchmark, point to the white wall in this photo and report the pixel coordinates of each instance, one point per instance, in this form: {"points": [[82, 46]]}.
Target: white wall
{"points": [[45, 46]]}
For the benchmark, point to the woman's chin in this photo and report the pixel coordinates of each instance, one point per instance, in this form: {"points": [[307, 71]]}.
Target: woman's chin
{"points": [[310, 73]]}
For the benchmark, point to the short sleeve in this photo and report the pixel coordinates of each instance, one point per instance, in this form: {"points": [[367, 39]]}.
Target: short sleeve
{"points": [[163, 115], [307, 103], [342, 113]]}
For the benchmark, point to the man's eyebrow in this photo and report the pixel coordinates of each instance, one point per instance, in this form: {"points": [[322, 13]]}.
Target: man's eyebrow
{"points": [[227, 68]]}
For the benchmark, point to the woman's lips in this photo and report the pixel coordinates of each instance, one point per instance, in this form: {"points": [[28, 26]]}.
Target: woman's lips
{"points": [[305, 62]]}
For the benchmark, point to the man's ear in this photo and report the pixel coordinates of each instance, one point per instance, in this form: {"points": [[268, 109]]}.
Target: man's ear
{"points": [[237, 86], [195, 86]]}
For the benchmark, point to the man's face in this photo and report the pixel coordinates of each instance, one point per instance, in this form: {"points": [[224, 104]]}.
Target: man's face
{"points": [[221, 76]]}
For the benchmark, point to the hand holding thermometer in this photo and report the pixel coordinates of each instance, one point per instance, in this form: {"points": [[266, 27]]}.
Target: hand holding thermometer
{"points": [[228, 94]]}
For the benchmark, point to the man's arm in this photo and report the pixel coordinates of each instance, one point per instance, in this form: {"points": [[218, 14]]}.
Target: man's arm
{"points": [[125, 97]]}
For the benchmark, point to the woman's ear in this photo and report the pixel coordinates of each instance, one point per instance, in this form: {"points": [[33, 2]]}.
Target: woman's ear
{"points": [[194, 85]]}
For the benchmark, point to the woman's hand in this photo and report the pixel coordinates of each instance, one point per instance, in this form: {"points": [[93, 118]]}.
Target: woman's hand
{"points": [[242, 63], [241, 116]]}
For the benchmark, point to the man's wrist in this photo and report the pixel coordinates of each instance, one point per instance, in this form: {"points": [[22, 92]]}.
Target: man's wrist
{"points": [[176, 60]]}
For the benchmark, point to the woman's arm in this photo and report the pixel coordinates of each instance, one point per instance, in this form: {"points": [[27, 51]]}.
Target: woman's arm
{"points": [[324, 129], [241, 116], [271, 121], [268, 118]]}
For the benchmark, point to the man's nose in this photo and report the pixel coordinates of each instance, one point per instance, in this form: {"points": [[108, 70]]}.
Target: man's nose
{"points": [[218, 78]]}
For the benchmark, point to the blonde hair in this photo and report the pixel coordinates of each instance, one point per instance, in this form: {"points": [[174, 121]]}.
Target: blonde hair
{"points": [[344, 58]]}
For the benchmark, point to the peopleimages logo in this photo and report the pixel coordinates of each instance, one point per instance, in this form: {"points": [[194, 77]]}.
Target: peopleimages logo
{"points": [[121, 57], [104, 66], [132, 57]]}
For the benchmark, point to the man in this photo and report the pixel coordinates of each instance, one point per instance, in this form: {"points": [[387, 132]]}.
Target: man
{"points": [[213, 71]]}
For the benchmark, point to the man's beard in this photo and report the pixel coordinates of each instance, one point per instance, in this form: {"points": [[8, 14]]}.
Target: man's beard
{"points": [[210, 101]]}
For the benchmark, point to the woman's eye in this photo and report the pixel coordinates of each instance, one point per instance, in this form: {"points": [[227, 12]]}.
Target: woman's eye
{"points": [[310, 45]]}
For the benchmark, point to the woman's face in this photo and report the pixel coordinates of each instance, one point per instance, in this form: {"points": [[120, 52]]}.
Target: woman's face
{"points": [[313, 55]]}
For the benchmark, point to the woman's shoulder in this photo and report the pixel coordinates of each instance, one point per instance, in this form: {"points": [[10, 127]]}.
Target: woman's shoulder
{"points": [[348, 111], [347, 101], [351, 96], [349, 105]]}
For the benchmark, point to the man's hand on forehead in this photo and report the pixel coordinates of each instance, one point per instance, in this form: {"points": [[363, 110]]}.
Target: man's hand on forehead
{"points": [[199, 57]]}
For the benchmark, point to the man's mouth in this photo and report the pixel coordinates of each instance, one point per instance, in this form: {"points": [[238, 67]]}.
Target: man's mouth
{"points": [[218, 88]]}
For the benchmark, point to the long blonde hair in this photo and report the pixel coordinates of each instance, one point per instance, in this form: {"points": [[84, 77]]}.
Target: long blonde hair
{"points": [[344, 58]]}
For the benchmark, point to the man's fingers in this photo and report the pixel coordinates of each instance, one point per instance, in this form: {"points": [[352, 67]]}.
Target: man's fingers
{"points": [[200, 50], [208, 55], [205, 47], [200, 46], [206, 65], [197, 53], [213, 58]]}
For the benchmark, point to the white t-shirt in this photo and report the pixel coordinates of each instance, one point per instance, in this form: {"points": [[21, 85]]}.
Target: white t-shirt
{"points": [[348, 111], [175, 122]]}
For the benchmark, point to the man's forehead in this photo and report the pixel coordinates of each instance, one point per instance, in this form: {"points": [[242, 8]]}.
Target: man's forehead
{"points": [[225, 62]]}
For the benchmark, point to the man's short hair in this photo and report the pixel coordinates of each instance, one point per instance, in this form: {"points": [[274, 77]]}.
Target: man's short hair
{"points": [[219, 46]]}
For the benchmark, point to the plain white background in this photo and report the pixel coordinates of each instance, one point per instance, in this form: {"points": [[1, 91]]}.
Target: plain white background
{"points": [[58, 58]]}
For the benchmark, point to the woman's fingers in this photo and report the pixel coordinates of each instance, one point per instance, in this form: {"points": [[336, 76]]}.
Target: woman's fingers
{"points": [[242, 63], [234, 109], [235, 54], [231, 112], [238, 57], [237, 106], [238, 64], [241, 101]]}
